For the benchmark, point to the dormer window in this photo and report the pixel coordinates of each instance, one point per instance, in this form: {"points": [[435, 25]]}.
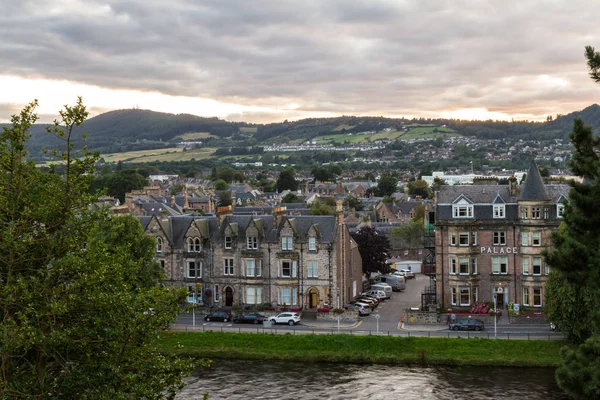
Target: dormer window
{"points": [[287, 243], [194, 245], [312, 243], [228, 241], [499, 211], [159, 244], [252, 242], [560, 210], [535, 213], [462, 211], [523, 212]]}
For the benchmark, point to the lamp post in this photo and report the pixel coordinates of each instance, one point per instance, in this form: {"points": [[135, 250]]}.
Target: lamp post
{"points": [[495, 313], [338, 306]]}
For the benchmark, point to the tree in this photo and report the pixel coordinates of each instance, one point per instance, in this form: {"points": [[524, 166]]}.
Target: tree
{"points": [[119, 183], [410, 234], [593, 62], [318, 208], [387, 185], [354, 202], [287, 180], [374, 249], [224, 198], [76, 284], [220, 184], [419, 188], [291, 198], [579, 372]]}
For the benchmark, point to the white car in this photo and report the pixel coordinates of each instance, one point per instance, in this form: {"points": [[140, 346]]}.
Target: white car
{"points": [[379, 294], [408, 274], [289, 318]]}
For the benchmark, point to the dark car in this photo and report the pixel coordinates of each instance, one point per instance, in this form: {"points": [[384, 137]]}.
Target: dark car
{"points": [[467, 325], [218, 316], [252, 318]]}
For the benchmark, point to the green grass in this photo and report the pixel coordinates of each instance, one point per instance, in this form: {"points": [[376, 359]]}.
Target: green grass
{"points": [[192, 136], [364, 349], [343, 126], [248, 129], [427, 132]]}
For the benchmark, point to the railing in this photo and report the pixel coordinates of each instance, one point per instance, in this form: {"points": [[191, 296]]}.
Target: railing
{"points": [[332, 331]]}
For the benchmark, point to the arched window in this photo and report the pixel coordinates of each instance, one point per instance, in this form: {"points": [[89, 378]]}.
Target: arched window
{"points": [[190, 245], [159, 244], [197, 246]]}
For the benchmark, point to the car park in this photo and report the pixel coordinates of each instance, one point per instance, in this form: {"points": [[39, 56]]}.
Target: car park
{"points": [[251, 318], [467, 325], [289, 318], [223, 316]]}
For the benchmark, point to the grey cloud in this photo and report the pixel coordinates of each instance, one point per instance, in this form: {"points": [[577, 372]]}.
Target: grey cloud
{"points": [[337, 56]]}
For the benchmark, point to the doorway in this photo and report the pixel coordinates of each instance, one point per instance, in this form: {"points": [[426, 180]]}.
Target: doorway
{"points": [[500, 301], [228, 297], [313, 298]]}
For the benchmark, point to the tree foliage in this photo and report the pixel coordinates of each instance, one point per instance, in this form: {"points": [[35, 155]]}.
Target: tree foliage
{"points": [[419, 188], [387, 185], [119, 183], [76, 285], [318, 208], [579, 372], [410, 235], [287, 180], [354, 202], [374, 249]]}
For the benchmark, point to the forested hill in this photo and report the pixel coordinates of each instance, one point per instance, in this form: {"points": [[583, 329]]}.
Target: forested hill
{"points": [[135, 129]]}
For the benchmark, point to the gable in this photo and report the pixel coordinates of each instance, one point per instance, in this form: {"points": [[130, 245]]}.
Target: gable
{"points": [[462, 200]]}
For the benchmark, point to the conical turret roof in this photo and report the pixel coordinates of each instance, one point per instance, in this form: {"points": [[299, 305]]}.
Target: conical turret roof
{"points": [[533, 188]]}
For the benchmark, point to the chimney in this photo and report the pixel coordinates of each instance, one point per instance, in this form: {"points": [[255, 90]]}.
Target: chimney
{"points": [[512, 185], [339, 212], [339, 189], [173, 201], [224, 211], [306, 187], [186, 204], [279, 213]]}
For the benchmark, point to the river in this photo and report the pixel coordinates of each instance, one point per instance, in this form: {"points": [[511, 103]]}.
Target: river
{"points": [[241, 379]]}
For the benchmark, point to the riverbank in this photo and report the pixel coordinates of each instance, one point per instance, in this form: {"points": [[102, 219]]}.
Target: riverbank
{"points": [[364, 349]]}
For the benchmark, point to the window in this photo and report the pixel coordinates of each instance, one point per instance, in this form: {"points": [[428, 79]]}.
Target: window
{"points": [[537, 297], [523, 212], [474, 238], [228, 242], [313, 268], [524, 238], [452, 238], [547, 269], [405, 252], [190, 244], [499, 238], [560, 210], [535, 213], [525, 296], [194, 296], [537, 266], [228, 266], [193, 269], [162, 264], [499, 211], [286, 243], [312, 244], [194, 245], [499, 265], [288, 296], [463, 238], [452, 266], [463, 265], [462, 211], [420, 251], [546, 213], [252, 242], [474, 265], [536, 238], [253, 268], [158, 244], [465, 296], [525, 263], [287, 269], [476, 295], [217, 294], [253, 295], [454, 296]]}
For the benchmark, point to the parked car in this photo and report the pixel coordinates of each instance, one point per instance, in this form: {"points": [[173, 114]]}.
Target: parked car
{"points": [[359, 303], [379, 294], [218, 316], [408, 274], [252, 318], [467, 325], [368, 300], [387, 289], [289, 318], [363, 311], [375, 299]]}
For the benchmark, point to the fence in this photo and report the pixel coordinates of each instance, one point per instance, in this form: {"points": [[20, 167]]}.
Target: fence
{"points": [[334, 331]]}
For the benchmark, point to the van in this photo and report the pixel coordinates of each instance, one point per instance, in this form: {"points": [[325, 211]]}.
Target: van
{"points": [[398, 283], [387, 289], [379, 294]]}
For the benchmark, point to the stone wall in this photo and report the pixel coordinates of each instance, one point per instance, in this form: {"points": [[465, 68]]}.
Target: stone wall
{"points": [[348, 315], [529, 319], [421, 317]]}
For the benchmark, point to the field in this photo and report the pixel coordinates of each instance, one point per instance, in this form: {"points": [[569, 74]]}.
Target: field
{"points": [[343, 126], [168, 154], [364, 349], [191, 136], [248, 129], [427, 132], [354, 138]]}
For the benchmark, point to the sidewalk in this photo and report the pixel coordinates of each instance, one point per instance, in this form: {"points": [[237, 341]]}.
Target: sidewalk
{"points": [[405, 326], [330, 324]]}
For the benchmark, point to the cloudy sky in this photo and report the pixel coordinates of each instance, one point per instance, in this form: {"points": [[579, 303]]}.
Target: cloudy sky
{"points": [[263, 61]]}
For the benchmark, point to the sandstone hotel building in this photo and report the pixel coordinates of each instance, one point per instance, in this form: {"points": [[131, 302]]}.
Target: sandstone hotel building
{"points": [[489, 240]]}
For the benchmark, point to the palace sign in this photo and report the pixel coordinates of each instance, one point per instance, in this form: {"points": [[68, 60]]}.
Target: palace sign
{"points": [[499, 250]]}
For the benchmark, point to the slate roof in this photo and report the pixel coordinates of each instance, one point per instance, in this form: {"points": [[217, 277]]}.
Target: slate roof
{"points": [[476, 193], [533, 188], [325, 224]]}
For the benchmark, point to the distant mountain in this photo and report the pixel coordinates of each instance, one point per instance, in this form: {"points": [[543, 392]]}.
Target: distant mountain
{"points": [[133, 129]]}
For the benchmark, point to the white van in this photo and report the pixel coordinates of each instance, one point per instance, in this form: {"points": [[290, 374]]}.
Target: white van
{"points": [[379, 294], [398, 283], [387, 289]]}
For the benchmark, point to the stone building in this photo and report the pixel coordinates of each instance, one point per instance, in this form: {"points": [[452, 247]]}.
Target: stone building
{"points": [[489, 240], [301, 261]]}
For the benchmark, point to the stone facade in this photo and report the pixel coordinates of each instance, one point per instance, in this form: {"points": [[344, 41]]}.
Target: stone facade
{"points": [[489, 240], [300, 261]]}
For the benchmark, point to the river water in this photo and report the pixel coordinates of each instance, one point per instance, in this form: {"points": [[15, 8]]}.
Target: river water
{"points": [[242, 379]]}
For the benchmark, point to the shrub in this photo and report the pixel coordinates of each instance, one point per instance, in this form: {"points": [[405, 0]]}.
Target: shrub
{"points": [[295, 309], [480, 308], [323, 309], [338, 310]]}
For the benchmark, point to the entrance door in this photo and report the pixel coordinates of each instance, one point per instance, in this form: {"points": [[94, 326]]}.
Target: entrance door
{"points": [[314, 298], [500, 300], [228, 297]]}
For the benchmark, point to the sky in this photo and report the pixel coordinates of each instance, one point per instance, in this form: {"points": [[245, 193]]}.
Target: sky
{"points": [[267, 61]]}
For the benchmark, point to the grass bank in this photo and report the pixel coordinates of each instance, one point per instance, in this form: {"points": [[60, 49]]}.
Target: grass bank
{"points": [[364, 349]]}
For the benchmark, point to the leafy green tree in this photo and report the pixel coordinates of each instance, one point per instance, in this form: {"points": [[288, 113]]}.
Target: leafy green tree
{"points": [[76, 285], [579, 372], [220, 184], [224, 198], [410, 234], [354, 202], [374, 249], [287, 180], [291, 198], [593, 62], [318, 208], [119, 183], [419, 188], [387, 185]]}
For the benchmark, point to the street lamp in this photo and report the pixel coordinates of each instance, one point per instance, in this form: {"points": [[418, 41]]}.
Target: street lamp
{"points": [[495, 312], [338, 306]]}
